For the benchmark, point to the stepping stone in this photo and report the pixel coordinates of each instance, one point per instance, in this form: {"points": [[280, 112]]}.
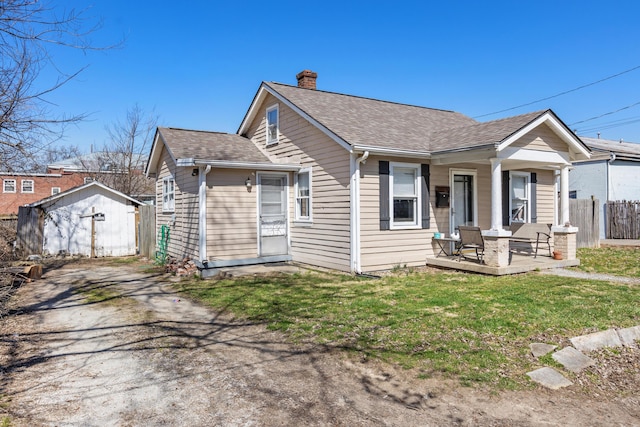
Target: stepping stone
{"points": [[629, 336], [539, 349], [597, 340], [572, 359], [549, 378]]}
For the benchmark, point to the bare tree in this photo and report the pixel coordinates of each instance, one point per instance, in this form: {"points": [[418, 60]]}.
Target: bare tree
{"points": [[121, 163], [29, 30]]}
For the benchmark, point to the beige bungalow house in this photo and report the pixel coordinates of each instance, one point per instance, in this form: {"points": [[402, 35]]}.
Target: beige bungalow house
{"points": [[357, 184]]}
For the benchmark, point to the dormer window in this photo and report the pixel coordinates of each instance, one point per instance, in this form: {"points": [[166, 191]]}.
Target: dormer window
{"points": [[272, 124]]}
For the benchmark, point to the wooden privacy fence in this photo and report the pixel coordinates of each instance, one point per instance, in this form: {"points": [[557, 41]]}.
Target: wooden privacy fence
{"points": [[147, 231], [585, 214], [623, 219]]}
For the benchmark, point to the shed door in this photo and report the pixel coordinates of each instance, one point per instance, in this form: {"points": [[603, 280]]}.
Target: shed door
{"points": [[273, 215]]}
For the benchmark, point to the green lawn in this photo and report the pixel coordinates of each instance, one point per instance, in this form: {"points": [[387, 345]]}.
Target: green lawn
{"points": [[472, 327], [617, 261]]}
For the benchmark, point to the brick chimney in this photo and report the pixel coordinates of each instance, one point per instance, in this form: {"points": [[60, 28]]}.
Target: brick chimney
{"points": [[307, 79]]}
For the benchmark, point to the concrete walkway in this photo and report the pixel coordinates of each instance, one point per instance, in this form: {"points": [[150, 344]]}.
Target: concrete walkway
{"points": [[573, 358], [590, 276]]}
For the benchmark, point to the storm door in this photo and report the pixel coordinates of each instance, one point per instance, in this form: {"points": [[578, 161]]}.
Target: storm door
{"points": [[272, 223], [463, 199]]}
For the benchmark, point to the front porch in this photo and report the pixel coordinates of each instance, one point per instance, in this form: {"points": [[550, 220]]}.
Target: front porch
{"points": [[518, 263]]}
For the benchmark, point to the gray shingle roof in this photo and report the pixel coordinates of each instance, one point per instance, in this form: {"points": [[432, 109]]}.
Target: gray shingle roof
{"points": [[370, 122], [480, 134], [621, 148], [208, 146]]}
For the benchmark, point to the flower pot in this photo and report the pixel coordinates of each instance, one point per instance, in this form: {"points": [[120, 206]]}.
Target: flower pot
{"points": [[557, 255]]}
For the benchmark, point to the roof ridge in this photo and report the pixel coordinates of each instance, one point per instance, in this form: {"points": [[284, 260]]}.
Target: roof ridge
{"points": [[366, 98], [199, 130]]}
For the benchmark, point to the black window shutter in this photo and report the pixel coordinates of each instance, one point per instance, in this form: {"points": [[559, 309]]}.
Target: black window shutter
{"points": [[426, 220], [505, 198], [534, 201], [383, 173]]}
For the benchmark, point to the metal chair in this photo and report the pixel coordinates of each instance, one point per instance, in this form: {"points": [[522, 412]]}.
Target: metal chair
{"points": [[471, 238]]}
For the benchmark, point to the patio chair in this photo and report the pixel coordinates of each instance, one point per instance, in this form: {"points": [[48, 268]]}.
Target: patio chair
{"points": [[471, 238]]}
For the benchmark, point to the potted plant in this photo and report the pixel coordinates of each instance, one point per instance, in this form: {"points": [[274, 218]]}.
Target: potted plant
{"points": [[557, 255]]}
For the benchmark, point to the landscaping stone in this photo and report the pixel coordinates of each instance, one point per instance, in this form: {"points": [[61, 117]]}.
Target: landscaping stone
{"points": [[597, 340], [629, 336], [550, 378], [539, 349], [572, 359]]}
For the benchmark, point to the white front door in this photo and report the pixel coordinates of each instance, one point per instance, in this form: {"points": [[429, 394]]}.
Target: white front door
{"points": [[273, 221], [464, 207]]}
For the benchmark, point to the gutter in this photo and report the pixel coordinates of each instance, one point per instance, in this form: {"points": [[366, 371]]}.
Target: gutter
{"points": [[356, 261], [222, 164], [391, 151]]}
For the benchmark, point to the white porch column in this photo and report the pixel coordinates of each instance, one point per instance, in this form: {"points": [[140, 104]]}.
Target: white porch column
{"points": [[564, 195], [496, 194]]}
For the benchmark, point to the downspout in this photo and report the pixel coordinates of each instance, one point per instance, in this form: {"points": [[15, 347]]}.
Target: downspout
{"points": [[356, 265], [612, 158], [202, 212]]}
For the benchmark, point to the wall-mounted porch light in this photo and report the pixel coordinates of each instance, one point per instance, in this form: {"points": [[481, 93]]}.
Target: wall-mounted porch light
{"points": [[194, 172], [248, 183]]}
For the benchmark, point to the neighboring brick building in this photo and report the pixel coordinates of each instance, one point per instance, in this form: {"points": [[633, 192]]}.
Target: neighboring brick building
{"points": [[20, 189]]}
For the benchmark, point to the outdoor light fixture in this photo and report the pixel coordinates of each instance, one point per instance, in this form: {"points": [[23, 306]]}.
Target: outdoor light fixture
{"points": [[248, 183], [194, 172]]}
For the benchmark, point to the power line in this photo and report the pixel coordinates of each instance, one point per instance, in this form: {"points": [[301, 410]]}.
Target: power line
{"points": [[561, 93], [609, 125], [606, 114]]}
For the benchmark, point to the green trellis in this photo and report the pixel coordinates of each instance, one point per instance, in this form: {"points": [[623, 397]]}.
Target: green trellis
{"points": [[163, 243]]}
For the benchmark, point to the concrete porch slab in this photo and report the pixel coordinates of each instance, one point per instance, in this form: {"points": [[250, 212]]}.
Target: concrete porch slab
{"points": [[550, 378], [517, 264], [572, 359], [596, 340]]}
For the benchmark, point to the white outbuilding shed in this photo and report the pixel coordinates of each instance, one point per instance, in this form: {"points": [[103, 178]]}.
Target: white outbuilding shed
{"points": [[92, 220]]}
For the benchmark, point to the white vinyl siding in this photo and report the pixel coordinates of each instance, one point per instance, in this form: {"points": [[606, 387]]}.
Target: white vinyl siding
{"points": [[326, 241], [231, 229], [183, 220]]}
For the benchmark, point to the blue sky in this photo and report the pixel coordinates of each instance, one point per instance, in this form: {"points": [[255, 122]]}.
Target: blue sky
{"points": [[199, 64]]}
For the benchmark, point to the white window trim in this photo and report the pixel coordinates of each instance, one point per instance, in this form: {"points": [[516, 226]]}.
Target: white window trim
{"points": [[4, 185], [527, 175], [53, 190], [33, 185], [88, 179], [417, 205], [298, 218], [168, 205], [275, 107]]}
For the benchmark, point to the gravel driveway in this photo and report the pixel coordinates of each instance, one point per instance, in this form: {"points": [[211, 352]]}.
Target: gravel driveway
{"points": [[155, 358]]}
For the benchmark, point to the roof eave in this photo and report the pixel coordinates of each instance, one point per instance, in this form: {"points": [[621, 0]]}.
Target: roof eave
{"points": [[383, 151], [230, 164]]}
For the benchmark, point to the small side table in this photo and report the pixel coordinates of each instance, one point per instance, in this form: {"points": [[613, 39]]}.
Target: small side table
{"points": [[444, 243]]}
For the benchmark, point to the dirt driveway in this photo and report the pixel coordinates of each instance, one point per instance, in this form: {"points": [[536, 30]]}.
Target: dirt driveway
{"points": [[155, 358]]}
